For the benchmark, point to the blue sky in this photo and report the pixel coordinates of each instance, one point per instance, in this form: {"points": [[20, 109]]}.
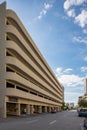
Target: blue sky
{"points": [[59, 29]]}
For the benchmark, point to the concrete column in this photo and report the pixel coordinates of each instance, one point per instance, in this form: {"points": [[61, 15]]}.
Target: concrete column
{"points": [[2, 60], [40, 109], [31, 109], [18, 109], [28, 109], [57, 109], [45, 109], [5, 110], [49, 109]]}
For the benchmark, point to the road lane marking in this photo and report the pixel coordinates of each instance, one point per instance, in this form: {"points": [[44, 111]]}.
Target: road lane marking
{"points": [[82, 128], [32, 121], [52, 122]]}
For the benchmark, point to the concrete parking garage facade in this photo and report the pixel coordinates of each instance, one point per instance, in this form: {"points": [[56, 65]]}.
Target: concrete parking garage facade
{"points": [[27, 83]]}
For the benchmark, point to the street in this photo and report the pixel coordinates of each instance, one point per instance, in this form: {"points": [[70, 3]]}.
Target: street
{"points": [[67, 120]]}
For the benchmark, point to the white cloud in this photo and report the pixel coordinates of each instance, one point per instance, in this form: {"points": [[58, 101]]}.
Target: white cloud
{"points": [[67, 70], [60, 70], [85, 59], [80, 39], [71, 80], [84, 68], [81, 19], [72, 84], [67, 79], [85, 31], [71, 13], [44, 10], [69, 3], [42, 13], [47, 6]]}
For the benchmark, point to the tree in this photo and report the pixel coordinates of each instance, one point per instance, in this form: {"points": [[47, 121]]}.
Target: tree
{"points": [[64, 107], [83, 103]]}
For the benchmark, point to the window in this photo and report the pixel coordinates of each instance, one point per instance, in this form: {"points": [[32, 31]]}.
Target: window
{"points": [[9, 85], [8, 69], [22, 89]]}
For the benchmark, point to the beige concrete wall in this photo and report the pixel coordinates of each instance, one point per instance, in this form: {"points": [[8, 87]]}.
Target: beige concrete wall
{"points": [[15, 92], [2, 60]]}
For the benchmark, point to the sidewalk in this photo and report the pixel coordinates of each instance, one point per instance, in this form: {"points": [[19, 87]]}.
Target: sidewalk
{"points": [[23, 116]]}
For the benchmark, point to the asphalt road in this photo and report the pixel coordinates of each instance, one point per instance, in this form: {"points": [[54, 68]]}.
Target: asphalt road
{"points": [[67, 120]]}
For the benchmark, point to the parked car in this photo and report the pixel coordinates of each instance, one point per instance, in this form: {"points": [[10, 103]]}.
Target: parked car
{"points": [[82, 112], [53, 111], [85, 123]]}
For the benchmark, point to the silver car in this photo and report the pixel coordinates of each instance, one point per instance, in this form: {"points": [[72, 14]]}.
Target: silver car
{"points": [[82, 112]]}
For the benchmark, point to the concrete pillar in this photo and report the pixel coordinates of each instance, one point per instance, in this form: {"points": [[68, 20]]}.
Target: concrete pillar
{"points": [[45, 109], [57, 108], [28, 109], [2, 60], [40, 109], [49, 109], [31, 109], [18, 109], [5, 110]]}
